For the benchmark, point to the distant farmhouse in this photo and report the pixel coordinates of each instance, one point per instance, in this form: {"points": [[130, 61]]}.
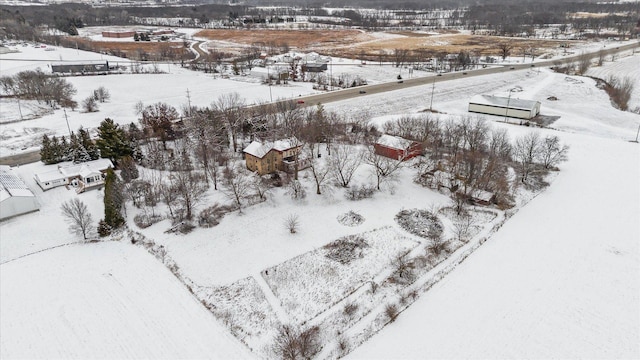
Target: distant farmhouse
{"points": [[397, 148], [15, 196], [504, 106], [84, 67], [83, 176], [269, 157]]}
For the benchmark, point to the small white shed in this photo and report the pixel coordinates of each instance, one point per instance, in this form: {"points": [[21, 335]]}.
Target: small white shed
{"points": [[504, 106], [15, 196]]}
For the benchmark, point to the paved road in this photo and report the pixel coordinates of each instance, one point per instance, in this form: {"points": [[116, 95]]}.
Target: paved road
{"points": [[345, 94]]}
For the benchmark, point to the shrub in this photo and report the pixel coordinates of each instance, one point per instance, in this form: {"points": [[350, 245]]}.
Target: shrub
{"points": [[346, 249], [211, 216], [350, 310], [355, 193], [420, 222], [143, 221], [391, 311], [104, 229], [292, 223]]}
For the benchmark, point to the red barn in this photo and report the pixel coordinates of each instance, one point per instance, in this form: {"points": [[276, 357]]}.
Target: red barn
{"points": [[397, 148]]}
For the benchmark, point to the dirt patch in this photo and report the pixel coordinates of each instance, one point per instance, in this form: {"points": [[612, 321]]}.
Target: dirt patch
{"points": [[146, 50], [300, 39]]}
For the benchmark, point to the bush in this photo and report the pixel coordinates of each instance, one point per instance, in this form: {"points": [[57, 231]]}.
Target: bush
{"points": [[350, 310], [346, 249], [291, 343], [104, 229], [355, 193], [144, 221], [211, 216], [351, 218], [391, 311], [420, 222], [292, 224]]}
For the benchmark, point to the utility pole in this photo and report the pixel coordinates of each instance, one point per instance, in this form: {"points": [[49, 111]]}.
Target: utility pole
{"points": [[67, 120], [506, 111], [433, 88], [189, 101], [20, 109]]}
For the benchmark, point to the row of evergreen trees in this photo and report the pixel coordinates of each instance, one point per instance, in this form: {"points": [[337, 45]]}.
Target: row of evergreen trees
{"points": [[79, 148], [113, 142]]}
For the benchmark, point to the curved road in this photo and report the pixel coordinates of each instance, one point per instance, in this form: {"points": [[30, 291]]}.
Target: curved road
{"points": [[344, 94]]}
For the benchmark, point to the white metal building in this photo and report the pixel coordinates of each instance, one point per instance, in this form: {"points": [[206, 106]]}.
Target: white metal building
{"points": [[15, 196], [504, 106]]}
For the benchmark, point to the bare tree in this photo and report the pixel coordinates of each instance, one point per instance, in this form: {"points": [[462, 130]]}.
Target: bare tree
{"points": [[293, 344], [236, 185], [552, 152], [292, 223], [101, 94], [231, 109], [383, 168], [526, 151], [89, 104], [78, 217], [584, 62], [505, 48], [344, 162], [320, 172], [462, 225], [157, 120]]}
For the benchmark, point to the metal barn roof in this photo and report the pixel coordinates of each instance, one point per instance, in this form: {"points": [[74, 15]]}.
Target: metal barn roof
{"points": [[499, 101]]}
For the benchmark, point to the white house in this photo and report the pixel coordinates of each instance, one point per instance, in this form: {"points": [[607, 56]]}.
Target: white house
{"points": [[504, 106], [82, 176], [15, 196]]}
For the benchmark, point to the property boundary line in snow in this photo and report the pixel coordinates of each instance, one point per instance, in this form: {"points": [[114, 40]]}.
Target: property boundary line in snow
{"points": [[39, 251], [420, 286]]}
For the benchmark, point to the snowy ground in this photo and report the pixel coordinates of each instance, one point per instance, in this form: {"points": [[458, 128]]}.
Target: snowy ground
{"points": [[109, 300], [558, 280]]}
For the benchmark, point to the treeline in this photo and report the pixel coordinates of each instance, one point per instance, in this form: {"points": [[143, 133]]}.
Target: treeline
{"points": [[36, 85]]}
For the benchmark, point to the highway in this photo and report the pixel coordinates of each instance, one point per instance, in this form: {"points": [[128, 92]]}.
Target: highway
{"points": [[345, 94]]}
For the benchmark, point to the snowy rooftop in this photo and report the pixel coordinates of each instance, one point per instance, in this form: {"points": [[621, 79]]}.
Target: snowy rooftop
{"points": [[259, 149], [500, 101], [11, 184], [394, 142], [85, 62], [86, 167]]}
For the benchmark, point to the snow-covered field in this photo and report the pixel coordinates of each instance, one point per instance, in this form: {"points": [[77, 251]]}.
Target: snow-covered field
{"points": [[559, 279], [104, 300], [625, 67]]}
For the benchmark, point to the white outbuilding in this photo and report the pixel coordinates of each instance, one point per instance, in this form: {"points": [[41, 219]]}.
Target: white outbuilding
{"points": [[15, 196], [504, 106]]}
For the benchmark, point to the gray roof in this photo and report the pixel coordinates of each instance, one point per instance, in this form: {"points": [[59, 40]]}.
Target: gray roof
{"points": [[499, 101]]}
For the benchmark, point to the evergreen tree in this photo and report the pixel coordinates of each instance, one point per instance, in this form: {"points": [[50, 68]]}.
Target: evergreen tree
{"points": [[88, 144], [57, 152], [65, 149], [46, 154], [112, 141], [113, 201], [128, 169]]}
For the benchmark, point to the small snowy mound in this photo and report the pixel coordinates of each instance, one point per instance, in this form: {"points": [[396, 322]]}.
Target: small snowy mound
{"points": [[351, 218], [420, 222]]}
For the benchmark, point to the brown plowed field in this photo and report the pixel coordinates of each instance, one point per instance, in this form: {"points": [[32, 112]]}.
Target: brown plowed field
{"points": [[350, 42]]}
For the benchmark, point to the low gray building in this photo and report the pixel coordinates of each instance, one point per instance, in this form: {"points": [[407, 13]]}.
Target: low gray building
{"points": [[85, 67]]}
